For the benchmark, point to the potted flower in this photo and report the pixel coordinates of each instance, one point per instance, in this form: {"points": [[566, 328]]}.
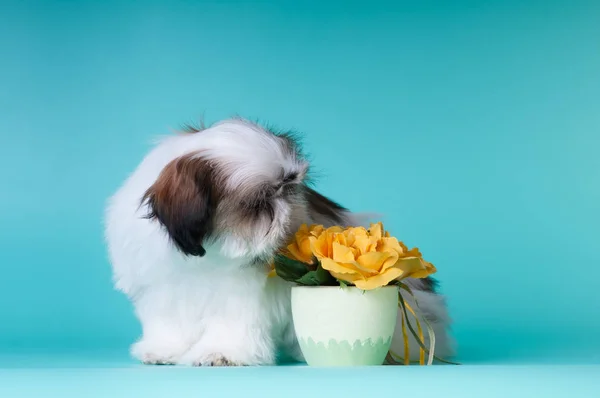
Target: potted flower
{"points": [[347, 292]]}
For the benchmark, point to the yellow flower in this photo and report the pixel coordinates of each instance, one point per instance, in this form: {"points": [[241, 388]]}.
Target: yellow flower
{"points": [[300, 247], [272, 272], [366, 258]]}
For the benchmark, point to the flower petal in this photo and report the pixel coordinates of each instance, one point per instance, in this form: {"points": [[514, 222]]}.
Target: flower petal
{"points": [[318, 246], [414, 252], [390, 261], [349, 267], [341, 253], [332, 266], [316, 230], [376, 230], [334, 230], [379, 280], [301, 253], [388, 244], [361, 243], [414, 267], [303, 230], [350, 278], [340, 239], [373, 261], [424, 273]]}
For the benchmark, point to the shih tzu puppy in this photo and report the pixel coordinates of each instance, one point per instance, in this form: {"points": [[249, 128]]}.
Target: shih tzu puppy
{"points": [[190, 235]]}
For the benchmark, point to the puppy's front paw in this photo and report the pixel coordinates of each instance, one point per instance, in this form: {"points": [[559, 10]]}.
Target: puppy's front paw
{"points": [[154, 359], [222, 350], [155, 354], [215, 360]]}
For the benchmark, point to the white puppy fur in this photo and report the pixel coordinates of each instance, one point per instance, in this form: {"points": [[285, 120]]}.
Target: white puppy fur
{"points": [[190, 235]]}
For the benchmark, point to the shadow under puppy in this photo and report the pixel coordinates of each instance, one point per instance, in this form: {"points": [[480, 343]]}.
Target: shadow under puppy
{"points": [[190, 235]]}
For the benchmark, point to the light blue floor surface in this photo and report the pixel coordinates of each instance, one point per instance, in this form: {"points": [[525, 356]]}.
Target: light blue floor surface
{"points": [[107, 375]]}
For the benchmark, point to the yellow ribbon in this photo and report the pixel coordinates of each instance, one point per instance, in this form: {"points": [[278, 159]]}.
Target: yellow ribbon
{"points": [[430, 330], [406, 358], [405, 337], [417, 335], [421, 337]]}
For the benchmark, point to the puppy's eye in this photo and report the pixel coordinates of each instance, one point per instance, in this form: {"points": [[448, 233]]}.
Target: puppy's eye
{"points": [[290, 178]]}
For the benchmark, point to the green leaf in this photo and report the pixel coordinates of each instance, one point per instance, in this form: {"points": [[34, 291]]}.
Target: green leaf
{"points": [[309, 279], [342, 284], [325, 277], [319, 277], [289, 269]]}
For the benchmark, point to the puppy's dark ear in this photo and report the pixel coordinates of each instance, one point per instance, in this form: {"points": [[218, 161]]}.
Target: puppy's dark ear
{"points": [[182, 200], [323, 210]]}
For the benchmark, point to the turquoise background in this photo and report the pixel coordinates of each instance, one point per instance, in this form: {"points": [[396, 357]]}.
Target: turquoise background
{"points": [[473, 125]]}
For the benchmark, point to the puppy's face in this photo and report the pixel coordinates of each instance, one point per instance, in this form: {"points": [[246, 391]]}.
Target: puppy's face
{"points": [[242, 192]]}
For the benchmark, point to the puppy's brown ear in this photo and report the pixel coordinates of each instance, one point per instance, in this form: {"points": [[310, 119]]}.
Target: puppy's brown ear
{"points": [[323, 210], [182, 200]]}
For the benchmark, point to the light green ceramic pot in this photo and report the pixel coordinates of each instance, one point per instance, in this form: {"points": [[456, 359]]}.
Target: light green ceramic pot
{"points": [[345, 326]]}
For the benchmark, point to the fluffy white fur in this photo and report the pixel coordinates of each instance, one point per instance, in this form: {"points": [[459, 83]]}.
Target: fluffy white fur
{"points": [[216, 309]]}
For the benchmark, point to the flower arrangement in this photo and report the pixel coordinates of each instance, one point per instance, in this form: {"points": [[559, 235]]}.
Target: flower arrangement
{"points": [[367, 259]]}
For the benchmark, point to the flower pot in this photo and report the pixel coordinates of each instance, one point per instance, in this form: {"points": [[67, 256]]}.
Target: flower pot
{"points": [[344, 326]]}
